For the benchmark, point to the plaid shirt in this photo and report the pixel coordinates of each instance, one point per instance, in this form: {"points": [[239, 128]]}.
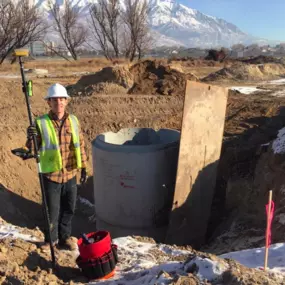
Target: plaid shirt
{"points": [[64, 135]]}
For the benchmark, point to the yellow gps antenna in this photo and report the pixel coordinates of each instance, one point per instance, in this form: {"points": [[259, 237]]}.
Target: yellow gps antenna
{"points": [[28, 91], [21, 52]]}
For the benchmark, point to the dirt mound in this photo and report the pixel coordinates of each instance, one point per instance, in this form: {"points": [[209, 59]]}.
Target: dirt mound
{"points": [[250, 72], [261, 59], [106, 81], [154, 77], [107, 88], [194, 62], [216, 55], [147, 77]]}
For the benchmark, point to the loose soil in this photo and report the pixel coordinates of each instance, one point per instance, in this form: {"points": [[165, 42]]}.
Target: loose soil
{"points": [[104, 81], [23, 262], [153, 77], [247, 72], [263, 59]]}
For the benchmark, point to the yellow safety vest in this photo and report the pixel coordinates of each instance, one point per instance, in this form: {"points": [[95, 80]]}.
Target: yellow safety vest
{"points": [[50, 156]]}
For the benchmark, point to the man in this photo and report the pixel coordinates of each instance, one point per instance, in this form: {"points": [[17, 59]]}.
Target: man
{"points": [[61, 150]]}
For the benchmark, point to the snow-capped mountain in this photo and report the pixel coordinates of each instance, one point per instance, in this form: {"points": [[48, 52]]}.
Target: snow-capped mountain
{"points": [[192, 27], [176, 24]]}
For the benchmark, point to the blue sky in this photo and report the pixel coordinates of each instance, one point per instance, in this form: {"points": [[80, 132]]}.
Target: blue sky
{"points": [[261, 18]]}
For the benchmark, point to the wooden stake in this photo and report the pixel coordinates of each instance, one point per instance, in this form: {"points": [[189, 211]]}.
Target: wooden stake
{"points": [[267, 230]]}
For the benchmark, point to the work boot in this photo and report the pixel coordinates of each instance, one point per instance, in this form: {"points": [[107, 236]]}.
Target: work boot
{"points": [[68, 244]]}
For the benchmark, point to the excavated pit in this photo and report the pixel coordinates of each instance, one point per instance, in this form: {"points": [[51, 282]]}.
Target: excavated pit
{"points": [[244, 175]]}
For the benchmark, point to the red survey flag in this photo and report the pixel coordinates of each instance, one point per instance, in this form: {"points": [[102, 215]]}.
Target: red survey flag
{"points": [[270, 218]]}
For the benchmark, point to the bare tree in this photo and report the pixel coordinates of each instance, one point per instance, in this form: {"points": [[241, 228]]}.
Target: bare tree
{"points": [[126, 42], [20, 24], [67, 24], [135, 16], [121, 31], [105, 26]]}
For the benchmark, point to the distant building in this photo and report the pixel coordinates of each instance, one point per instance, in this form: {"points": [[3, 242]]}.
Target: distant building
{"points": [[50, 48], [37, 48], [240, 54]]}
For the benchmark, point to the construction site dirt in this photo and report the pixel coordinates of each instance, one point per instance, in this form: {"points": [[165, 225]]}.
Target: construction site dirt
{"points": [[148, 94]]}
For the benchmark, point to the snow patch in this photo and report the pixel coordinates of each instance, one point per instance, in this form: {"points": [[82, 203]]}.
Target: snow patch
{"points": [[279, 93], [138, 265], [10, 231], [129, 244], [281, 218], [245, 89], [207, 268], [254, 258], [173, 252], [277, 82], [278, 144]]}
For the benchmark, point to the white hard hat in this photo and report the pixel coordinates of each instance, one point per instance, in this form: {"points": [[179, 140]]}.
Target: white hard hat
{"points": [[56, 90]]}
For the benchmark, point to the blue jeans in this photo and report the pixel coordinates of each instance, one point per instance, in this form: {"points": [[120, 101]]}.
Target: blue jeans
{"points": [[61, 201]]}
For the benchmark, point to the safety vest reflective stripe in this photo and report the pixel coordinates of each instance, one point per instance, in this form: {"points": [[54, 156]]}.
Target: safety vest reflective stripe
{"points": [[74, 124], [46, 143], [76, 139]]}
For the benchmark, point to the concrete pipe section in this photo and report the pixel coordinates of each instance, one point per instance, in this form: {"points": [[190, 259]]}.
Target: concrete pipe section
{"points": [[134, 180]]}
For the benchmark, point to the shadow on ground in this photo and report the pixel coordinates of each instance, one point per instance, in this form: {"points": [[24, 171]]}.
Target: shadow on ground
{"points": [[238, 160], [64, 273], [239, 157], [22, 212]]}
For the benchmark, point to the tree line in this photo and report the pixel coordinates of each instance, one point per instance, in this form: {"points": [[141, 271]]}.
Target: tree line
{"points": [[115, 30]]}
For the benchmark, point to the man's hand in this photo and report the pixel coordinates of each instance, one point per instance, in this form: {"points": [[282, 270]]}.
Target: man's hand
{"points": [[84, 176], [32, 132]]}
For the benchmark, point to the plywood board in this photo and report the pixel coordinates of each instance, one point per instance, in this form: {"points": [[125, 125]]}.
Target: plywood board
{"points": [[199, 153]]}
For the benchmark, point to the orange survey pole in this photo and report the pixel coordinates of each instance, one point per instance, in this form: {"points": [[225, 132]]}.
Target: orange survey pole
{"points": [[268, 230]]}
